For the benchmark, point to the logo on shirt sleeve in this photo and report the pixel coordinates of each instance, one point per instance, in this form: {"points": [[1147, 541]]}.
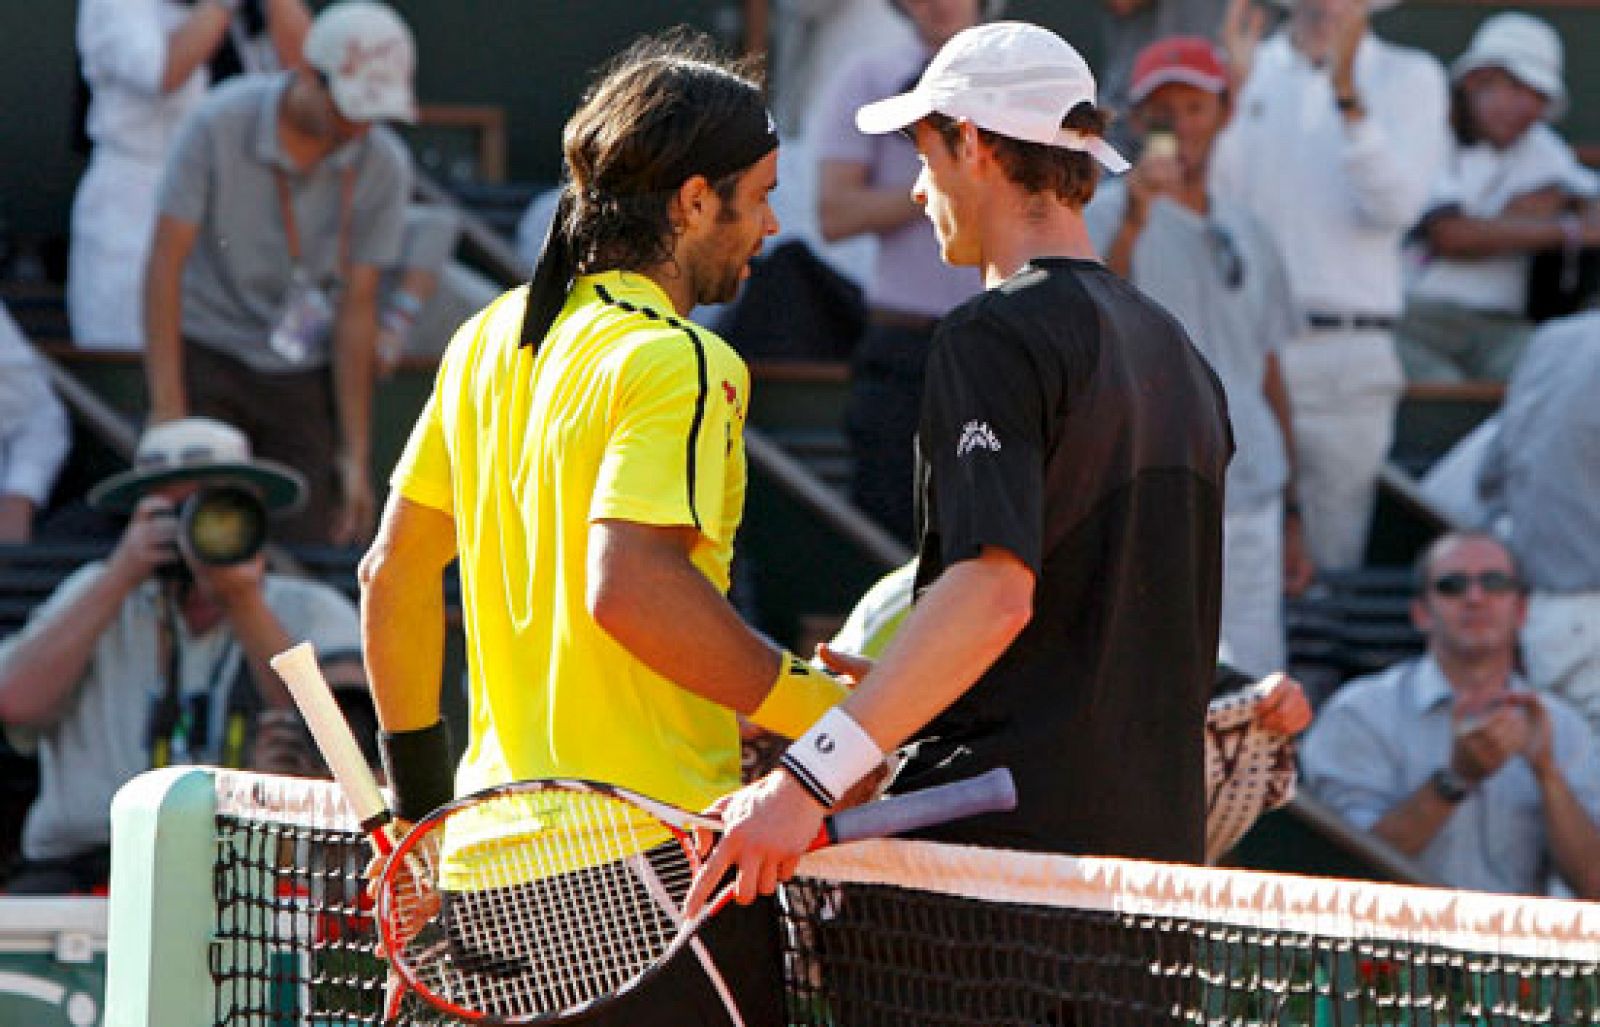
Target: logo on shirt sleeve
{"points": [[730, 392], [977, 435]]}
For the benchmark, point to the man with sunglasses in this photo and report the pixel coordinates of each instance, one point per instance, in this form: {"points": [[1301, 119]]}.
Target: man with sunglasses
{"points": [[1450, 757], [1217, 270]]}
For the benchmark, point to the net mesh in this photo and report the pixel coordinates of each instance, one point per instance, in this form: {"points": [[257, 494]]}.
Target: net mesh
{"points": [[912, 933]]}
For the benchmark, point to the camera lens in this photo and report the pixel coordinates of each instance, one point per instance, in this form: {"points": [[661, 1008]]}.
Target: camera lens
{"points": [[223, 525]]}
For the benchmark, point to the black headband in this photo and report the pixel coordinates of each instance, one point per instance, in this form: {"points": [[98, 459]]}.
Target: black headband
{"points": [[740, 143]]}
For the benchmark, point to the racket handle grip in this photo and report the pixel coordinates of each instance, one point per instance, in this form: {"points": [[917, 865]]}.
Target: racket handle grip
{"points": [[991, 792]]}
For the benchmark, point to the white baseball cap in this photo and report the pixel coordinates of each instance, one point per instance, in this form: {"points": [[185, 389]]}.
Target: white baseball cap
{"points": [[1007, 77], [369, 57], [1528, 49]]}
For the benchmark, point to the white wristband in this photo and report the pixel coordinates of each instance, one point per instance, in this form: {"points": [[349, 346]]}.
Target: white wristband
{"points": [[830, 758]]}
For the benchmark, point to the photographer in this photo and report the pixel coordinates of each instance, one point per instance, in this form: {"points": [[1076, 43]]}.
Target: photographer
{"points": [[158, 654]]}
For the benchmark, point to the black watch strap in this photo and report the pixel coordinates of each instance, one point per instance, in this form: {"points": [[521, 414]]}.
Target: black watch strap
{"points": [[1451, 786]]}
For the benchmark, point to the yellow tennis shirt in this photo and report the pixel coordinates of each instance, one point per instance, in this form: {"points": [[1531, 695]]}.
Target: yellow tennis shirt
{"points": [[627, 412]]}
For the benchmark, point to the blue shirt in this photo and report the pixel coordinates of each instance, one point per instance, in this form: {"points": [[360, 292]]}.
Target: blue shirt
{"points": [[1381, 737], [1544, 467]]}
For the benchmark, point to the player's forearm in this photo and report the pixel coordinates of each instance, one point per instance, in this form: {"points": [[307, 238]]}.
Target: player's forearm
{"points": [[957, 630], [635, 573], [402, 612], [402, 637], [1574, 839]]}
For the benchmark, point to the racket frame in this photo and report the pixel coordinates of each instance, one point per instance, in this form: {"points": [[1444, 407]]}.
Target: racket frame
{"points": [[993, 791]]}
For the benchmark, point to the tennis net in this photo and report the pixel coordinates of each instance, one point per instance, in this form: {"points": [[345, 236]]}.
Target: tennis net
{"points": [[878, 933]]}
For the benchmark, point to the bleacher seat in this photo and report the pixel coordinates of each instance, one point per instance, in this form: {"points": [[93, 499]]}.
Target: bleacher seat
{"points": [[500, 204], [1352, 623]]}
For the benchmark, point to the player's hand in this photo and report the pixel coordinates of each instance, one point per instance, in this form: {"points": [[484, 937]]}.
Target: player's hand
{"points": [[1285, 708], [1485, 737], [420, 905], [415, 901], [848, 666], [1243, 25], [149, 541], [354, 520], [769, 826]]}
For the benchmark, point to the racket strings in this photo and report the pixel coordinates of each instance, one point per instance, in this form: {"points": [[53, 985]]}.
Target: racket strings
{"points": [[571, 907]]}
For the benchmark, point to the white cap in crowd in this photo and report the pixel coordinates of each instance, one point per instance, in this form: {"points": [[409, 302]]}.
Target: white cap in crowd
{"points": [[1007, 77], [369, 57], [1526, 48]]}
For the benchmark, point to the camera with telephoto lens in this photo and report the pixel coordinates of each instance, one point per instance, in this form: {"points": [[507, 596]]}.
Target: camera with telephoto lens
{"points": [[221, 525]]}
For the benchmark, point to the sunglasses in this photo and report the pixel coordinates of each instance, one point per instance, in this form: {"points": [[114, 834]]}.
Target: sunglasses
{"points": [[1492, 582], [1225, 252]]}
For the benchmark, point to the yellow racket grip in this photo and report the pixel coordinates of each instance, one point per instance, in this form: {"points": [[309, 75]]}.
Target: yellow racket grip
{"points": [[798, 698]]}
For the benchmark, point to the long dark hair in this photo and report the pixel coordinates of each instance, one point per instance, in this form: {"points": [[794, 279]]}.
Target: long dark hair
{"points": [[667, 109]]}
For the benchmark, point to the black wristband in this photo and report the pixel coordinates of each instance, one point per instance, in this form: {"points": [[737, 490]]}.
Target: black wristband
{"points": [[419, 769], [1450, 786]]}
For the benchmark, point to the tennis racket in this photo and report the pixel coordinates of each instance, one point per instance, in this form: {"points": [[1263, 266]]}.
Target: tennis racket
{"points": [[538, 901]]}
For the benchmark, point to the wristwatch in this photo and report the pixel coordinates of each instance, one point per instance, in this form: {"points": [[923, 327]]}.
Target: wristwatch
{"points": [[1451, 786], [1347, 103]]}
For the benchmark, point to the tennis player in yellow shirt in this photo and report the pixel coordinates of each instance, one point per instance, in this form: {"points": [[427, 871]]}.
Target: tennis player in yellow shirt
{"points": [[582, 457]]}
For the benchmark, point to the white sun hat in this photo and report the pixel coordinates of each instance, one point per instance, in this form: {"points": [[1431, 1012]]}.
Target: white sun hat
{"points": [[1008, 77], [1527, 48]]}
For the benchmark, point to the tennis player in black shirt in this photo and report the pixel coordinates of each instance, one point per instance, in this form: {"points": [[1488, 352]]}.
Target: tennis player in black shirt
{"points": [[1072, 450]]}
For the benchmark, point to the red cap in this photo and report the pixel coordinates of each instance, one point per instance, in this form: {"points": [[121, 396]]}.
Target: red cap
{"points": [[1192, 60]]}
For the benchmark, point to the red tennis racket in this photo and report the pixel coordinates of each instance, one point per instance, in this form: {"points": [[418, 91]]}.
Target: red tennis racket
{"points": [[539, 901]]}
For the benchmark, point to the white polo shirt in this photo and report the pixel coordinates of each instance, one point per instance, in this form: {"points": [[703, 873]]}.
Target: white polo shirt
{"points": [[1479, 181], [1337, 198]]}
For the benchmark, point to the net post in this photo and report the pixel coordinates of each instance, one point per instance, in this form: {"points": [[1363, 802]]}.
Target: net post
{"points": [[162, 907]]}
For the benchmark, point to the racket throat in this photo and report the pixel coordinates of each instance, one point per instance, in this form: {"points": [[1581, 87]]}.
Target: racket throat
{"points": [[657, 890]]}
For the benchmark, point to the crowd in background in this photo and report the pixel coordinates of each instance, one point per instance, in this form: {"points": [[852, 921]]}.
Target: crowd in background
{"points": [[1329, 216]]}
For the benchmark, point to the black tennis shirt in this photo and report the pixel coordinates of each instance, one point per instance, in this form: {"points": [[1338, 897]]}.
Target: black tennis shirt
{"points": [[1068, 419]]}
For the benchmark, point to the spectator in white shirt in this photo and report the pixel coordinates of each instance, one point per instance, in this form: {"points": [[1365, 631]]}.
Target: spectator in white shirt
{"points": [[1336, 139], [146, 62], [34, 434], [1510, 187]]}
